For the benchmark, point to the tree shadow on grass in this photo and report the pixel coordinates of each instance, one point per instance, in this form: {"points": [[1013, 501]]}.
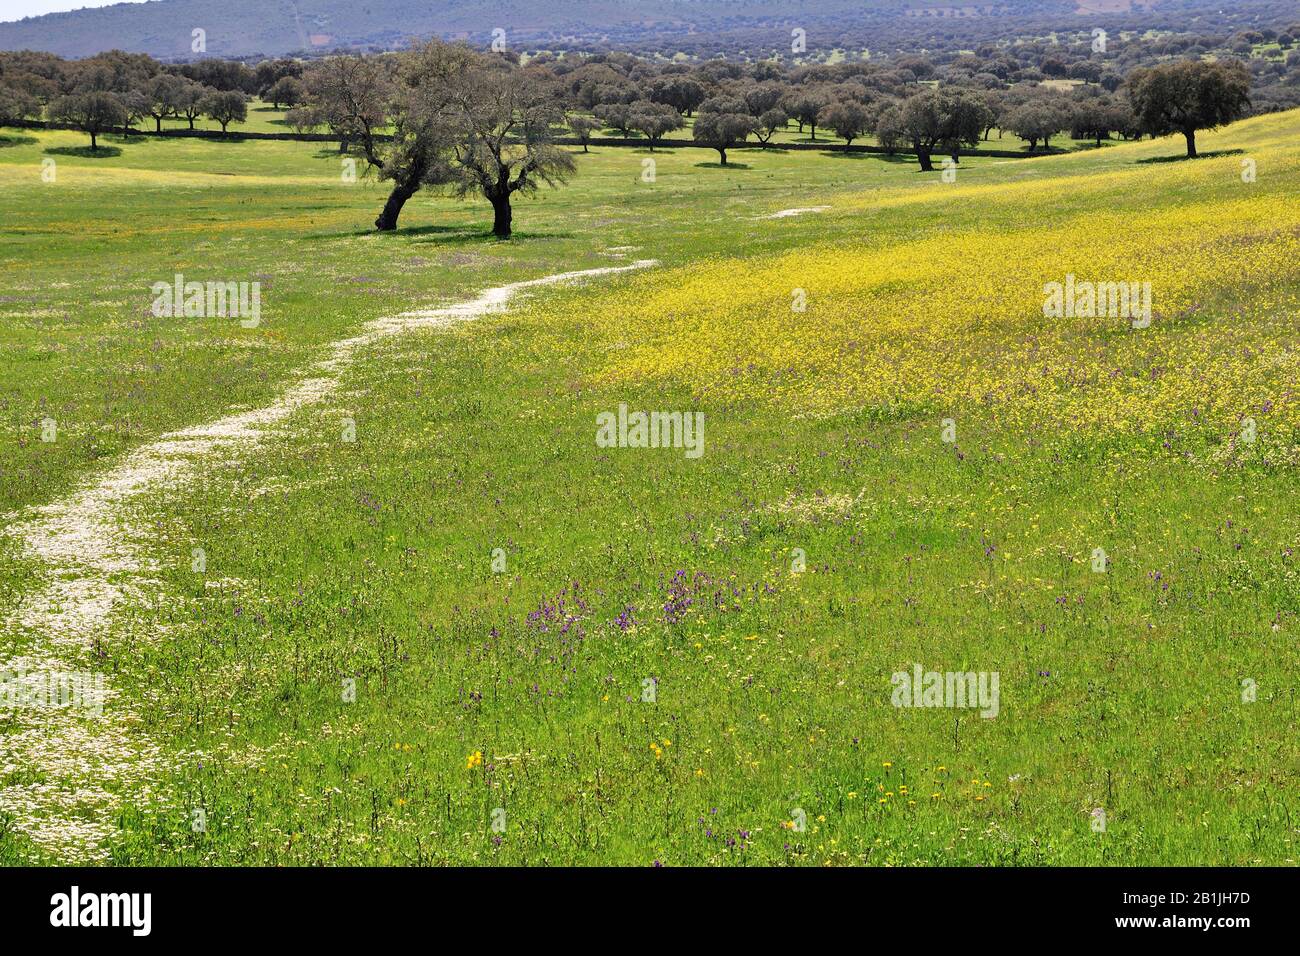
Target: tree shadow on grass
{"points": [[406, 231], [837, 154], [440, 235], [897, 158], [720, 166], [1181, 159], [7, 141], [451, 236], [85, 152]]}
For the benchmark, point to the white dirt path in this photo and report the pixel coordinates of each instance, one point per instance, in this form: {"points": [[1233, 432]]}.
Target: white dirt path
{"points": [[797, 211], [63, 770]]}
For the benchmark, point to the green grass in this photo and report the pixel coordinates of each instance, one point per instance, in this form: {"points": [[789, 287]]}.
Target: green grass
{"points": [[372, 560], [998, 139], [262, 118]]}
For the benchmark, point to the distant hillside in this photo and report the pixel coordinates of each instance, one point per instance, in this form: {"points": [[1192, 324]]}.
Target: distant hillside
{"points": [[241, 28], [751, 29]]}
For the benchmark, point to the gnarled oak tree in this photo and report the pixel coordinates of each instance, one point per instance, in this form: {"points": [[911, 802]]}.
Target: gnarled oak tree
{"points": [[1189, 95]]}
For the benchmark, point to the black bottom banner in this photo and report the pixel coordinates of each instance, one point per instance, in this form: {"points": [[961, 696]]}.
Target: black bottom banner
{"points": [[335, 906]]}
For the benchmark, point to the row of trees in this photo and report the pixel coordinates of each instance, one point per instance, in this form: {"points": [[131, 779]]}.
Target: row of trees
{"points": [[111, 91], [734, 105], [1179, 97], [117, 90], [635, 95], [486, 124], [996, 46], [100, 111], [1004, 67]]}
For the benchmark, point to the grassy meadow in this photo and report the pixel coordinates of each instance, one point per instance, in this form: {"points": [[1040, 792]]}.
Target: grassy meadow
{"points": [[264, 117], [830, 535]]}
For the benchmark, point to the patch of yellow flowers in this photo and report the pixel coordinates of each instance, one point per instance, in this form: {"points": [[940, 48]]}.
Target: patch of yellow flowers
{"points": [[955, 321]]}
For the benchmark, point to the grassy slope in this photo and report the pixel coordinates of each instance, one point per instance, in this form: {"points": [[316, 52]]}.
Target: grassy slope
{"points": [[773, 688], [265, 118], [999, 140]]}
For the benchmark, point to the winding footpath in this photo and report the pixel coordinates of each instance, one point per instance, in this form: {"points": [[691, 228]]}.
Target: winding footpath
{"points": [[65, 770]]}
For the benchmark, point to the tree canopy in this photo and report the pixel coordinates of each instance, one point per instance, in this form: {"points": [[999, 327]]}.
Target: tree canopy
{"points": [[1189, 95]]}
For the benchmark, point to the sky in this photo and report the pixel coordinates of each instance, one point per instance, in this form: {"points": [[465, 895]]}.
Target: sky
{"points": [[17, 9]]}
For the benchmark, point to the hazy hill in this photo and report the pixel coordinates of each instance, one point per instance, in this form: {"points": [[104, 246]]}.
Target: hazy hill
{"points": [[243, 27]]}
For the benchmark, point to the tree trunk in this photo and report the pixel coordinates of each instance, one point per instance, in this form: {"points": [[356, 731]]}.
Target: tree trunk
{"points": [[924, 156], [1191, 143], [501, 216], [191, 119], [723, 154], [403, 190], [94, 145], [157, 124], [584, 146], [1047, 141]]}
